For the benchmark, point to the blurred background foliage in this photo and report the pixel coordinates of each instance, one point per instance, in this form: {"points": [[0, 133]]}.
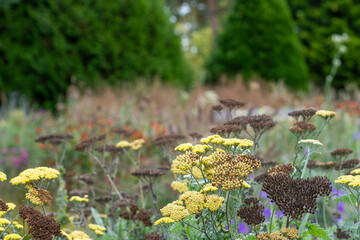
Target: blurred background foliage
{"points": [[46, 46]]}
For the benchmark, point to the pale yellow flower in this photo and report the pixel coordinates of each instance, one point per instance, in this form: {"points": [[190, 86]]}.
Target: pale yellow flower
{"points": [[311, 142], [137, 144], [35, 174], [184, 147], [164, 220], [208, 139], [122, 144], [325, 114], [2, 176], [79, 199], [181, 187], [79, 235], [355, 171], [12, 236]]}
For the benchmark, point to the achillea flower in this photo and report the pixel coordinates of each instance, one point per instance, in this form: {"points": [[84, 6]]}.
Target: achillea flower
{"points": [[199, 148], [208, 139], [253, 213], [137, 144], [181, 187], [4, 222], [194, 201], [217, 108], [228, 169], [231, 142], [310, 142], [35, 174], [12, 236], [245, 143], [64, 234], [40, 227], [246, 185], [123, 144], [296, 196], [83, 145], [168, 140], [325, 114], [184, 147], [213, 202], [350, 180], [226, 129], [302, 128], [347, 164], [260, 123], [306, 114], [3, 206], [197, 172], [79, 199], [2, 176], [340, 152], [175, 211], [148, 172], [99, 230], [184, 162], [11, 206], [18, 225], [54, 136], [164, 220], [281, 169], [356, 171], [152, 236], [291, 233], [37, 196], [208, 188], [195, 135], [79, 235], [219, 140], [231, 103]]}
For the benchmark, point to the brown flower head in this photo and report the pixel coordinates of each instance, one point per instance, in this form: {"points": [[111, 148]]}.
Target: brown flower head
{"points": [[40, 226], [347, 164], [108, 148], [152, 236], [325, 165], [281, 169], [302, 128], [231, 103], [195, 135], [3, 206], [340, 152], [253, 214], [226, 129], [83, 145], [291, 233], [228, 169], [168, 140], [45, 196], [148, 172], [103, 199], [296, 196], [88, 178], [306, 114], [260, 123], [260, 178], [217, 108], [122, 131], [143, 216], [342, 234], [54, 136], [78, 192]]}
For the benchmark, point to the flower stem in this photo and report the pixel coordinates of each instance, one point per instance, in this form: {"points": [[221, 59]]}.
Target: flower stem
{"points": [[227, 213]]}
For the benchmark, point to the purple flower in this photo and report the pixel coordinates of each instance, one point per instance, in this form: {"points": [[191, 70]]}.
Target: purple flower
{"points": [[5, 151], [226, 228], [13, 150], [24, 153], [244, 229], [279, 214], [267, 212], [263, 194], [356, 136], [341, 207]]}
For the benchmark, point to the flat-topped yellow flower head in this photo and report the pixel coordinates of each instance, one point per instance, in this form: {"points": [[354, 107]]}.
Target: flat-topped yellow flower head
{"points": [[184, 147], [35, 174], [12, 236], [99, 230], [325, 114], [2, 176], [208, 139], [164, 220], [181, 187], [79, 235], [123, 144], [350, 180], [79, 199]]}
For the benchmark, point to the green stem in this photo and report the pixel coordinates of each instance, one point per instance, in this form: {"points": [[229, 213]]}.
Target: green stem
{"points": [[227, 213], [306, 162], [7, 227], [272, 217], [324, 213]]}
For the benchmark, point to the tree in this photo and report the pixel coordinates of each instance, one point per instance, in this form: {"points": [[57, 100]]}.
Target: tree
{"points": [[259, 39], [316, 22], [44, 43]]}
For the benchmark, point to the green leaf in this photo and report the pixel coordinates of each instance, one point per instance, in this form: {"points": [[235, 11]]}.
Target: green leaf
{"points": [[346, 199], [316, 231], [97, 217]]}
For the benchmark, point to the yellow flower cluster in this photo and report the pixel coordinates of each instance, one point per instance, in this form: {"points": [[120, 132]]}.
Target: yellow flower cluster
{"points": [[175, 211], [213, 202], [4, 222], [208, 139], [350, 180], [99, 230], [33, 194], [164, 220], [12, 236], [134, 145], [310, 141], [181, 187], [2, 176], [11, 206], [35, 174], [184, 147], [79, 235], [18, 225], [199, 148], [325, 114], [291, 233], [79, 199], [209, 188], [355, 171], [246, 185], [184, 162], [63, 233], [271, 236], [197, 172], [194, 201]]}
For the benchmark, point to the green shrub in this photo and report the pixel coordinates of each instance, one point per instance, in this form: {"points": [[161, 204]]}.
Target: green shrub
{"points": [[43, 44], [259, 39], [317, 21]]}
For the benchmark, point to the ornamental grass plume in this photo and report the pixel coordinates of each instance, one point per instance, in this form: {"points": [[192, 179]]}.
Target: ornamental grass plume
{"points": [[253, 213], [296, 196], [40, 226], [228, 169]]}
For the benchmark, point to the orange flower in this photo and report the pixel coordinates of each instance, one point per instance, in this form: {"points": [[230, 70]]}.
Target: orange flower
{"points": [[38, 129]]}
